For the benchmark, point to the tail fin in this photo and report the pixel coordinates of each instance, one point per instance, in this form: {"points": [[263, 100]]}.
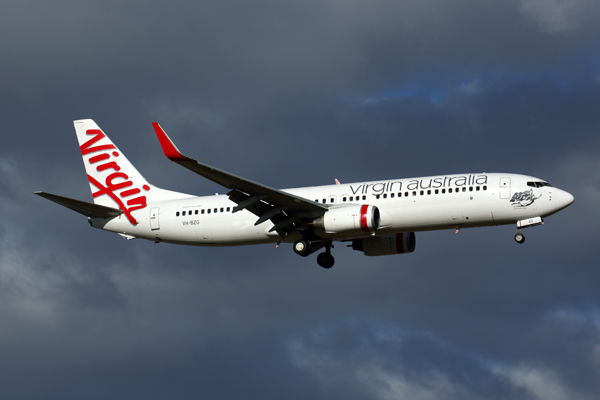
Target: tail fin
{"points": [[114, 181]]}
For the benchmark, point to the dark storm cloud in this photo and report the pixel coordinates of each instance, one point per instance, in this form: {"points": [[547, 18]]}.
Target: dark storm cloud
{"points": [[292, 94], [396, 362]]}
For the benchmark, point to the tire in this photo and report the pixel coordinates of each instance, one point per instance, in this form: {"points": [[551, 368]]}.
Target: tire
{"points": [[325, 260], [519, 238], [302, 248]]}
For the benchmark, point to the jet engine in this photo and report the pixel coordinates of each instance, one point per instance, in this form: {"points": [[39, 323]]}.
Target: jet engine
{"points": [[351, 219], [398, 243]]}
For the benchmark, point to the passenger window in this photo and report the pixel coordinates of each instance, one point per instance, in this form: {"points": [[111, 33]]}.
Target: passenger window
{"points": [[464, 189], [344, 199], [222, 209], [414, 193], [485, 188], [364, 197], [202, 212], [385, 196], [405, 194], [421, 193], [228, 208], [324, 201], [392, 195], [208, 211], [450, 190], [429, 191], [215, 210], [477, 188], [470, 188], [377, 196], [177, 214], [437, 191], [443, 191]]}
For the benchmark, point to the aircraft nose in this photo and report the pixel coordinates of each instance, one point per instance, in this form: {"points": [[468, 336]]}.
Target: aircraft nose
{"points": [[564, 199]]}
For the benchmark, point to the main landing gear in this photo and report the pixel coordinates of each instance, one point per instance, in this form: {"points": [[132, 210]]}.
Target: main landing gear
{"points": [[325, 259], [304, 248]]}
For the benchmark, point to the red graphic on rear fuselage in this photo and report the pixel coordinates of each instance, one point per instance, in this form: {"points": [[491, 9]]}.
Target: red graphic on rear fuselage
{"points": [[110, 187]]}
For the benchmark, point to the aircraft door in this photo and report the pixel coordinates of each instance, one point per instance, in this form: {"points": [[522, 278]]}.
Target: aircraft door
{"points": [[154, 224], [505, 188]]}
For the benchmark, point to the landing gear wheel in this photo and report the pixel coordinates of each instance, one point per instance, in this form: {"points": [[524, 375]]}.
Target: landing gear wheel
{"points": [[325, 260], [519, 238], [302, 248]]}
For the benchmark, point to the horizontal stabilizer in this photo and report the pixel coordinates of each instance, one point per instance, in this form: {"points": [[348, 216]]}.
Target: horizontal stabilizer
{"points": [[88, 209]]}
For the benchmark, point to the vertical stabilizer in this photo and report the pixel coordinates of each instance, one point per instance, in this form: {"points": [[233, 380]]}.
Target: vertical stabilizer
{"points": [[114, 181]]}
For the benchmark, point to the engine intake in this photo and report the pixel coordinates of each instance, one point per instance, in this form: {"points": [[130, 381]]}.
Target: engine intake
{"points": [[352, 219], [398, 243]]}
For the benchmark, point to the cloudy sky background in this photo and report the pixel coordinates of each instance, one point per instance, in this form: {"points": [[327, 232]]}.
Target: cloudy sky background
{"points": [[295, 93]]}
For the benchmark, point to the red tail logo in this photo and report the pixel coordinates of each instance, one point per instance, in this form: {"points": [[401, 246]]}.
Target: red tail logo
{"points": [[110, 187]]}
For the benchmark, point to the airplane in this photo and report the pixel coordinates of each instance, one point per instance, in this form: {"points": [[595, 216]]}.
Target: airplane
{"points": [[377, 218]]}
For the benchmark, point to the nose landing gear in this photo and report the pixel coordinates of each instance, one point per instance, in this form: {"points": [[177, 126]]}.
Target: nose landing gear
{"points": [[525, 223], [519, 237]]}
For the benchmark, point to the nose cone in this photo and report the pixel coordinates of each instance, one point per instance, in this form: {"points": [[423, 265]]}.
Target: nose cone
{"points": [[564, 199]]}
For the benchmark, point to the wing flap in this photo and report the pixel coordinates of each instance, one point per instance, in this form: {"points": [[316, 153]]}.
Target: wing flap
{"points": [[90, 210]]}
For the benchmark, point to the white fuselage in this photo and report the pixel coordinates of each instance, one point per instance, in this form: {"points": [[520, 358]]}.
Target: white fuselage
{"points": [[405, 205]]}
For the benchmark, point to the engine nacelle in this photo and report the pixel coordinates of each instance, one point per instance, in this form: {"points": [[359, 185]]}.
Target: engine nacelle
{"points": [[351, 219], [398, 243]]}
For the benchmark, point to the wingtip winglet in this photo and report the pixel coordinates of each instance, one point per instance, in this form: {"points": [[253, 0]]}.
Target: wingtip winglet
{"points": [[169, 148]]}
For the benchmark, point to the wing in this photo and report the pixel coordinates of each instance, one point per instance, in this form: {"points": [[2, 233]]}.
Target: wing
{"points": [[285, 210], [88, 209]]}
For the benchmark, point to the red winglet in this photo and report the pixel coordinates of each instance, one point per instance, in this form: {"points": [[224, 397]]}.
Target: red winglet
{"points": [[169, 148]]}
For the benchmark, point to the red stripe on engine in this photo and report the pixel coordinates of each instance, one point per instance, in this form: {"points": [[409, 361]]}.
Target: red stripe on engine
{"points": [[364, 224]]}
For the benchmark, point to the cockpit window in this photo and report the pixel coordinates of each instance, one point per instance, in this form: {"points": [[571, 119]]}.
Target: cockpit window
{"points": [[538, 184]]}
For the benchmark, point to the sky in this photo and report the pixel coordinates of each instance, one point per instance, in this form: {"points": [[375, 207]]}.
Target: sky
{"points": [[289, 94]]}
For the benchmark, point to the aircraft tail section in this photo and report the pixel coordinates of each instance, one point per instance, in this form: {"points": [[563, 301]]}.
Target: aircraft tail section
{"points": [[114, 181]]}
